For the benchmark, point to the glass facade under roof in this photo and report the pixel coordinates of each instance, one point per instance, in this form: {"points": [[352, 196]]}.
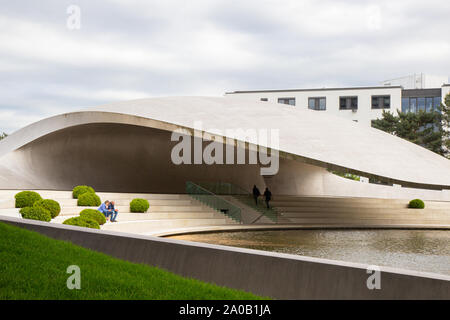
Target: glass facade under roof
{"points": [[415, 104]]}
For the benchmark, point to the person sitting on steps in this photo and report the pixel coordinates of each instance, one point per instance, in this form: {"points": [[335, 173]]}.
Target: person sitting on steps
{"points": [[104, 208], [114, 211]]}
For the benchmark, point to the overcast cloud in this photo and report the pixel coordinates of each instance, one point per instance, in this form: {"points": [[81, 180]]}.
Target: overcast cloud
{"points": [[129, 49]]}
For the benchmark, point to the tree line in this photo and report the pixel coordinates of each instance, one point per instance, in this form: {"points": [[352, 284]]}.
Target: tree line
{"points": [[427, 129]]}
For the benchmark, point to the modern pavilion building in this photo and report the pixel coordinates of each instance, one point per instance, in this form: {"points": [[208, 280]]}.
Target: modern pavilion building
{"points": [[128, 147]]}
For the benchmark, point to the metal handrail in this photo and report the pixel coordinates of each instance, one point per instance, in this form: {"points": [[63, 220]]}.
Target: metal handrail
{"points": [[240, 194], [213, 201]]}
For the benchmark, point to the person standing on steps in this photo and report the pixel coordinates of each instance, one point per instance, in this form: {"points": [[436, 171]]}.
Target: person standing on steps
{"points": [[256, 194], [267, 197]]}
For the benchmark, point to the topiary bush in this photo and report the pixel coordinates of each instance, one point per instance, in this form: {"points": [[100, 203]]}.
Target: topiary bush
{"points": [[79, 190], [93, 215], [416, 204], [88, 200], [82, 222], [36, 213], [26, 198], [139, 205], [51, 205]]}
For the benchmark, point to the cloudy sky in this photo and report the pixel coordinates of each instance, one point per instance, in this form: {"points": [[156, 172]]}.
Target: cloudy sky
{"points": [[129, 49]]}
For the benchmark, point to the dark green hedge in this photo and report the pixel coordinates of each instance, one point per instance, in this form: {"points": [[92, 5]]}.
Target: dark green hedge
{"points": [[26, 198], [79, 190], [36, 213], [82, 222], [89, 200], [139, 205], [93, 215], [416, 204], [51, 205]]}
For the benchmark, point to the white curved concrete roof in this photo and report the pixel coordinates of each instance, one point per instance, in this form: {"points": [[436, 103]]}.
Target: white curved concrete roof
{"points": [[311, 136]]}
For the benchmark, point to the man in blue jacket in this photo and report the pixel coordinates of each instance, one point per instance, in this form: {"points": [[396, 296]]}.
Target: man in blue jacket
{"points": [[113, 211], [104, 208]]}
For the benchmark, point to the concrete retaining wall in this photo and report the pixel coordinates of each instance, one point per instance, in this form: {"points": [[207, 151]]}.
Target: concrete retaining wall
{"points": [[276, 275]]}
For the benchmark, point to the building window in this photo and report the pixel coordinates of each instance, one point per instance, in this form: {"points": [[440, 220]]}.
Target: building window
{"points": [[381, 102], [421, 104], [429, 104], [405, 105], [348, 103], [437, 103], [264, 99], [289, 101], [317, 103], [415, 104]]}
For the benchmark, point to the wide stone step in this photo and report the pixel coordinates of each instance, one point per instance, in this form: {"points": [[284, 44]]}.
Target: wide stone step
{"points": [[348, 218], [121, 202], [296, 204], [151, 225], [333, 199], [409, 213], [132, 216], [169, 215], [178, 208], [10, 212], [339, 204], [192, 208], [148, 196], [50, 194], [359, 210], [367, 221], [7, 203], [77, 212]]}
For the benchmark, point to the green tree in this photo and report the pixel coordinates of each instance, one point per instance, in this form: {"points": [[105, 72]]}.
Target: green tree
{"points": [[388, 122], [422, 128], [3, 135], [445, 111]]}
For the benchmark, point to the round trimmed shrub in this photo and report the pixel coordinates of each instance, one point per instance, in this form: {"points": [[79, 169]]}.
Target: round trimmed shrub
{"points": [[82, 222], [89, 200], [51, 205], [79, 190], [26, 198], [139, 205], [36, 213], [93, 214], [416, 204]]}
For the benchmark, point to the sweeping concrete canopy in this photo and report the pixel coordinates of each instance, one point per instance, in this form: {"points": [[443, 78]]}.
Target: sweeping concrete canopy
{"points": [[304, 135]]}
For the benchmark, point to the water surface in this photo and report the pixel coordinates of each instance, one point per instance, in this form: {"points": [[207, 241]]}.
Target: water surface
{"points": [[420, 250]]}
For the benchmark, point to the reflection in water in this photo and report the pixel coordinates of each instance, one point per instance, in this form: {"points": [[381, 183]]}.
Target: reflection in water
{"points": [[421, 250]]}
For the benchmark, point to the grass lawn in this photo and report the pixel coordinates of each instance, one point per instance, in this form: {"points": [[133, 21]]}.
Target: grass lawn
{"points": [[33, 266]]}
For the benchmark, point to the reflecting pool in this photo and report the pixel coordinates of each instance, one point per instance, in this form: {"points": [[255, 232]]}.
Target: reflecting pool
{"points": [[420, 250]]}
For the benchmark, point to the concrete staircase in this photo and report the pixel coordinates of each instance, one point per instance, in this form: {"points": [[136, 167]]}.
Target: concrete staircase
{"points": [[167, 211], [177, 212], [358, 211]]}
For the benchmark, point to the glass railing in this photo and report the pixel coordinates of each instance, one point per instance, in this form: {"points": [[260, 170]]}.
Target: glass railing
{"points": [[242, 195], [213, 201]]}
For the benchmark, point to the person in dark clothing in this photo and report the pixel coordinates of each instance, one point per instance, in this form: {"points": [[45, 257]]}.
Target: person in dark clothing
{"points": [[256, 194], [267, 197]]}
